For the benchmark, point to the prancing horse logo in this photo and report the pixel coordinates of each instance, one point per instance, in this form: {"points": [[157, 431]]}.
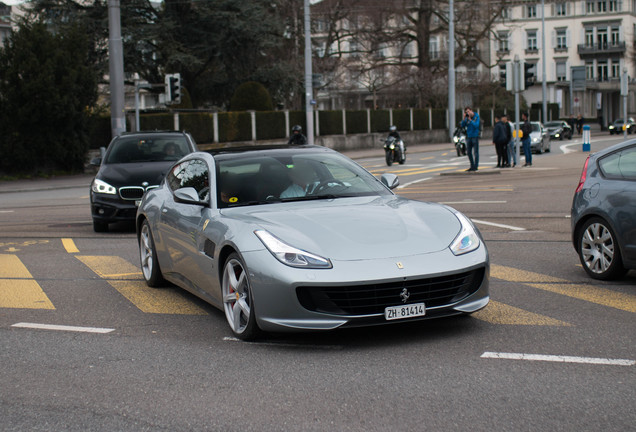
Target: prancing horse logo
{"points": [[404, 295]]}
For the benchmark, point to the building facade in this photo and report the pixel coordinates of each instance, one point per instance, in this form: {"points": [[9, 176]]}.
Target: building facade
{"points": [[589, 45]]}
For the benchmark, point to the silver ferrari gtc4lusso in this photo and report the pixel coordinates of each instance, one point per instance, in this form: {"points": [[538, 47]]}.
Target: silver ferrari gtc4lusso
{"points": [[303, 238]]}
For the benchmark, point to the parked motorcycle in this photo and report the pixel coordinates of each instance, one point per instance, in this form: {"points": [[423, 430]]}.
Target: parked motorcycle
{"points": [[459, 139], [394, 151]]}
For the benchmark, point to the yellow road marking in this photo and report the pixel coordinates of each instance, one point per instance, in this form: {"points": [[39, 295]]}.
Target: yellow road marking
{"points": [[500, 313], [69, 245], [17, 287], [601, 296], [119, 272]]}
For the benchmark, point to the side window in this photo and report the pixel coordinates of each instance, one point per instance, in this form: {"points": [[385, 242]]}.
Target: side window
{"points": [[192, 173], [627, 163], [620, 165]]}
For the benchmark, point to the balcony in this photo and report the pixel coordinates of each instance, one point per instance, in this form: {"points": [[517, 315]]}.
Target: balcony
{"points": [[601, 49]]}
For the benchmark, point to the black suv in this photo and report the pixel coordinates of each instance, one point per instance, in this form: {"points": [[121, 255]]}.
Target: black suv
{"points": [[133, 163]]}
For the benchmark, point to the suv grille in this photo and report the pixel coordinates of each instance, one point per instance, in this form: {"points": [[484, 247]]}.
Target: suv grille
{"points": [[374, 298], [133, 192]]}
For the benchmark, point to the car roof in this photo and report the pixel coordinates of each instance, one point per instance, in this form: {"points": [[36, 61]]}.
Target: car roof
{"points": [[247, 151], [614, 148], [152, 132]]}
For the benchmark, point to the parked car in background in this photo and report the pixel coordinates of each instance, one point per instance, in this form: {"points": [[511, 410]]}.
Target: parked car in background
{"points": [[617, 126], [132, 164], [559, 129], [539, 138], [303, 238], [604, 212]]}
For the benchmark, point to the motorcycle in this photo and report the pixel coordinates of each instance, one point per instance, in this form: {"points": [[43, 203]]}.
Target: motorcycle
{"points": [[459, 139], [394, 151]]}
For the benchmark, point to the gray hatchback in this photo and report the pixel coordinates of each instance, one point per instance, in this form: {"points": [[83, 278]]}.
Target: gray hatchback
{"points": [[604, 212]]}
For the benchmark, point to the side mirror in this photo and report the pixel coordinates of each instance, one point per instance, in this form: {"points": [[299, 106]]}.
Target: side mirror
{"points": [[390, 180], [96, 161], [188, 195]]}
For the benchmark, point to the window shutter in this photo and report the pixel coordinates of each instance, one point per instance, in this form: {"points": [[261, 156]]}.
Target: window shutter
{"points": [[554, 41]]}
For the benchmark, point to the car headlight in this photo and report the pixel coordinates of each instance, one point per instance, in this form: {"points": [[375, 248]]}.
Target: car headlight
{"points": [[535, 140], [290, 255], [100, 186], [467, 240], [611, 127]]}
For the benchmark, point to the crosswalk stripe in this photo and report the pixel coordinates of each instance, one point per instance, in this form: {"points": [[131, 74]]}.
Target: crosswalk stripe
{"points": [[601, 296], [18, 289], [500, 313], [127, 280]]}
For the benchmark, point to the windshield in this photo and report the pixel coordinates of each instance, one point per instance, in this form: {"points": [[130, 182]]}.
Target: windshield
{"points": [[553, 124], [282, 177], [535, 127], [147, 149]]}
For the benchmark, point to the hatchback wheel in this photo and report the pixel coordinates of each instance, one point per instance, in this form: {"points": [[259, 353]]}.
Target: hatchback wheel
{"points": [[238, 302], [598, 250], [148, 257]]}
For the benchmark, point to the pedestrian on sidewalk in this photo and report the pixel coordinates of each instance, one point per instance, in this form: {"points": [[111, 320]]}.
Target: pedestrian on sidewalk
{"points": [[471, 122], [526, 129], [500, 138]]}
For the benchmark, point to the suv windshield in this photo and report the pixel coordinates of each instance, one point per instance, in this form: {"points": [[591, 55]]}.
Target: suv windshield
{"points": [[147, 149]]}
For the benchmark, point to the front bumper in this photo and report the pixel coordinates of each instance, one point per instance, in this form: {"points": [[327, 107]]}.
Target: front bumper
{"points": [[282, 303], [112, 208]]}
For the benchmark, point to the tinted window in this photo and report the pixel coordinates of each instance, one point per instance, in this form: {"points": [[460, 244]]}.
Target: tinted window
{"points": [[136, 149], [192, 173], [263, 178], [620, 165]]}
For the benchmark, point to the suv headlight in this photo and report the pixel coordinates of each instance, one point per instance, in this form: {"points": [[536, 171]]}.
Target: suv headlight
{"points": [[467, 240], [289, 255], [100, 186]]}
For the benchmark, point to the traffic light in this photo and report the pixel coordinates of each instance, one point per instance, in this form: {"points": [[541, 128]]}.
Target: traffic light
{"points": [[502, 76], [173, 88], [529, 77]]}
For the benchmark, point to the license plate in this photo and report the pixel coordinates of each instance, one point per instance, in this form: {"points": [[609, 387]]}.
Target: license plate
{"points": [[406, 311]]}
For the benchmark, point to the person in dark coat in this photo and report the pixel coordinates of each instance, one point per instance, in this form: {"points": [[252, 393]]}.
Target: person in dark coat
{"points": [[500, 137], [297, 137]]}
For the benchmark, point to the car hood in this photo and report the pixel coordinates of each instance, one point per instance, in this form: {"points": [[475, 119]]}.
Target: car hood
{"points": [[134, 174], [358, 228]]}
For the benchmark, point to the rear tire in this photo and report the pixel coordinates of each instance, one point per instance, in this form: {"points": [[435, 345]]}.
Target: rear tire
{"points": [[598, 250]]}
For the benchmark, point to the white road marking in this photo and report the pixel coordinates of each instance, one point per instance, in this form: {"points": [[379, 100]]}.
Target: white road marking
{"points": [[413, 182], [63, 328], [473, 202], [510, 227], [6, 211], [558, 359]]}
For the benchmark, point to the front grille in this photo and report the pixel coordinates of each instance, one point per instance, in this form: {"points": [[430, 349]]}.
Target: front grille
{"points": [[374, 298], [133, 192]]}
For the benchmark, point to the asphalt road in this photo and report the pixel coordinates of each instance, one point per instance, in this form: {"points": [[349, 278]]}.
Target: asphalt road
{"points": [[554, 350]]}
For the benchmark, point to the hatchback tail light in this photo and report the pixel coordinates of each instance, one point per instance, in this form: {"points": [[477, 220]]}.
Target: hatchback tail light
{"points": [[583, 176]]}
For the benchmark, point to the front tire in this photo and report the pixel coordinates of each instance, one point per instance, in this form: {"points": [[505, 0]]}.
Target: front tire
{"points": [[389, 158], [599, 252], [99, 226], [238, 302], [148, 258]]}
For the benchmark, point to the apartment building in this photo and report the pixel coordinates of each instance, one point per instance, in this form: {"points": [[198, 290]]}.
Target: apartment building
{"points": [[588, 46], [5, 22]]}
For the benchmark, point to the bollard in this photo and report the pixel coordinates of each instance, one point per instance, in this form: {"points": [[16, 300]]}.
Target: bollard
{"points": [[586, 138]]}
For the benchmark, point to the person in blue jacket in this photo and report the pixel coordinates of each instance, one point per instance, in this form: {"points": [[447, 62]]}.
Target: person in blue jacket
{"points": [[471, 123]]}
